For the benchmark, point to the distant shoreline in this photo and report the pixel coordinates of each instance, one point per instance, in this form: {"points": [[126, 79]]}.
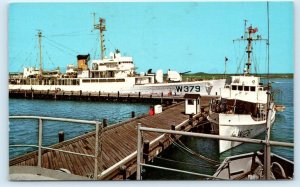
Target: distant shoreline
{"points": [[219, 76]]}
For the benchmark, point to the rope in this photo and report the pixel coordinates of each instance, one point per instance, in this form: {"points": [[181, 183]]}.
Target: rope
{"points": [[184, 147], [181, 162]]}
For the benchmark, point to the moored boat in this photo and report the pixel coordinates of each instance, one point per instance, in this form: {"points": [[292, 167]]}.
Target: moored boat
{"points": [[241, 110]]}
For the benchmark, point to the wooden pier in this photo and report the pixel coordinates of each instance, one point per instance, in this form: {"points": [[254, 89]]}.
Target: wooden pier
{"points": [[119, 145], [95, 96]]}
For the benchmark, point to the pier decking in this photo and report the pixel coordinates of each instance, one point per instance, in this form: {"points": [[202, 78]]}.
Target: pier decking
{"points": [[119, 145]]}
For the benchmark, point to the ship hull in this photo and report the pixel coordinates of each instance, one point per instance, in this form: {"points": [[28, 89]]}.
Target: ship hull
{"points": [[211, 87], [233, 125]]}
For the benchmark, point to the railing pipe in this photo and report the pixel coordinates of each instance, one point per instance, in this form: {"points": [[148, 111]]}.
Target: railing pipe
{"points": [[40, 142], [139, 149], [96, 151], [202, 135], [54, 119]]}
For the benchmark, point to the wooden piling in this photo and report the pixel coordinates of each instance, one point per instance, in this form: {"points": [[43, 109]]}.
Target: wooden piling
{"points": [[123, 172], [61, 136], [191, 119], [104, 122], [146, 150]]}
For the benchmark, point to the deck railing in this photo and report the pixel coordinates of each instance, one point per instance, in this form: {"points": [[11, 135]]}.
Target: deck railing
{"points": [[98, 130], [140, 152]]}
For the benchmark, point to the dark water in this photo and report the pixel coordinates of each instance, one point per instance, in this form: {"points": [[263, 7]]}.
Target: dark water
{"points": [[25, 131]]}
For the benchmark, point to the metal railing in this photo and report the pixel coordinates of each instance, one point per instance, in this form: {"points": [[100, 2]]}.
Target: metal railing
{"points": [[98, 130], [140, 153]]}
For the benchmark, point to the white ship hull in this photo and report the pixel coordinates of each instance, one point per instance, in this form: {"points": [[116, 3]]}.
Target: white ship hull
{"points": [[237, 125], [211, 87]]}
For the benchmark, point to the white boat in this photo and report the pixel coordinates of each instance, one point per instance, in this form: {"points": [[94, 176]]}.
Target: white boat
{"points": [[112, 74], [250, 166], [241, 111]]}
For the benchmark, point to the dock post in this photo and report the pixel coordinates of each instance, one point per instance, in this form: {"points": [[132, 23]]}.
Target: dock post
{"points": [[132, 114], [32, 94], [118, 94], [61, 136], [146, 148], [161, 98], [104, 122], [173, 127], [123, 172], [25, 94], [191, 119], [40, 142], [139, 153], [139, 94]]}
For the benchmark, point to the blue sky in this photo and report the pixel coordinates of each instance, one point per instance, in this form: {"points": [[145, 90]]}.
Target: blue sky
{"points": [[181, 36]]}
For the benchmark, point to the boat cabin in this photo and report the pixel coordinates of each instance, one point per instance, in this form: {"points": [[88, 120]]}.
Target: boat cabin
{"points": [[245, 88]]}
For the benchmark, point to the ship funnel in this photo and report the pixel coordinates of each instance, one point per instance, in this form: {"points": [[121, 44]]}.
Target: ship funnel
{"points": [[159, 76]]}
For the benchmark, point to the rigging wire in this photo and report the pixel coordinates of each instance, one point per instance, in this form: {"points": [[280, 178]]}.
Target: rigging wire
{"points": [[50, 60], [61, 45], [21, 51], [74, 33], [184, 147], [60, 49], [94, 48], [180, 162]]}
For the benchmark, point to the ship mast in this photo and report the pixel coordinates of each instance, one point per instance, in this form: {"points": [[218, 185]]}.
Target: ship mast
{"points": [[249, 38], [40, 47], [101, 27]]}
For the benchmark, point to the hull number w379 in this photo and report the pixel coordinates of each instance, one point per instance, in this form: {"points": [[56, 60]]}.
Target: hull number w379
{"points": [[187, 88]]}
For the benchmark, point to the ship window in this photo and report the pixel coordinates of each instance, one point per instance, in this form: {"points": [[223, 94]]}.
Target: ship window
{"points": [[240, 88], [190, 102], [94, 80], [233, 87], [120, 80], [111, 80], [252, 88], [246, 88], [86, 80]]}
